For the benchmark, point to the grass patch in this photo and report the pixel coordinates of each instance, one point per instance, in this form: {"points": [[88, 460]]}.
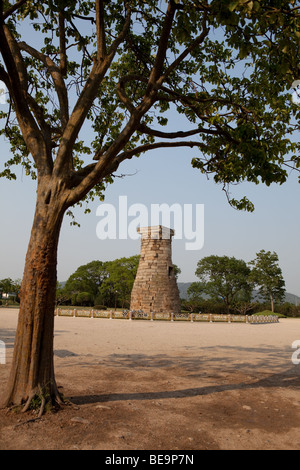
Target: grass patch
{"points": [[269, 312]]}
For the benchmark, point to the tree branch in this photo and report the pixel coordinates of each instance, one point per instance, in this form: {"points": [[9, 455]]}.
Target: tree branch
{"points": [[13, 8], [39, 117], [143, 148], [162, 47], [18, 59], [200, 7], [84, 179], [101, 42], [120, 38], [57, 78], [62, 44], [17, 86], [175, 135], [110, 160], [188, 50], [86, 18], [156, 78], [78, 176], [122, 94], [86, 99]]}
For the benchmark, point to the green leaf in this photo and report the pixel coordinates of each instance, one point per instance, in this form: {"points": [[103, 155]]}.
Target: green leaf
{"points": [[232, 5]]}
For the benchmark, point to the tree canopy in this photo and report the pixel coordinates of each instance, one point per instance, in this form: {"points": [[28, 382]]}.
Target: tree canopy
{"points": [[108, 283], [266, 274], [227, 67], [234, 283], [117, 286], [8, 286], [224, 279], [87, 278]]}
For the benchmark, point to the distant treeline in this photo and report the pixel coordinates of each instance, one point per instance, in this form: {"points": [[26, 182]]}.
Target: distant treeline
{"points": [[285, 309], [100, 284]]}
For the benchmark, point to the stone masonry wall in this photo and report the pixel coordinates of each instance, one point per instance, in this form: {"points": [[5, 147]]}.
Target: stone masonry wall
{"points": [[155, 288]]}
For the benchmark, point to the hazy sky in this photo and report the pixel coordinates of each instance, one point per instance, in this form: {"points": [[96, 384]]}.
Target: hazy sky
{"points": [[162, 176]]}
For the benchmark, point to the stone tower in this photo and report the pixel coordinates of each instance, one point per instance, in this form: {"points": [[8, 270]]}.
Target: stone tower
{"points": [[155, 288]]}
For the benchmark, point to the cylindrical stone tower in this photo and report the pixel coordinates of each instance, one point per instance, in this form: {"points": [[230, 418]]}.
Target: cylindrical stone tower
{"points": [[155, 288]]}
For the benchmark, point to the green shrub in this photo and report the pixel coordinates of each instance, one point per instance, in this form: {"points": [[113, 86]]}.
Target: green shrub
{"points": [[269, 312], [83, 299]]}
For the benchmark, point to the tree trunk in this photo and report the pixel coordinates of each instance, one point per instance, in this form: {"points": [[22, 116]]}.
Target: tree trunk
{"points": [[32, 372], [272, 302]]}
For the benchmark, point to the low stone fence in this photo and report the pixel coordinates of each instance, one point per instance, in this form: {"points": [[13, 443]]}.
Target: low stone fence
{"points": [[191, 317]]}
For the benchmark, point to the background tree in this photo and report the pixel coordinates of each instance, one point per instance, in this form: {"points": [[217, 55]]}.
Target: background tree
{"points": [[120, 66], [243, 300], [267, 275], [117, 287], [177, 271], [106, 282], [195, 295], [62, 296], [83, 299], [87, 278], [224, 279], [8, 286]]}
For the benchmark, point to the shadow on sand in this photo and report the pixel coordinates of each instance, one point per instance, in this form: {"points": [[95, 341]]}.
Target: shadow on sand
{"points": [[289, 379]]}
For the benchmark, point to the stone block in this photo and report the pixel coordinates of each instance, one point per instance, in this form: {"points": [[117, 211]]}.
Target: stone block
{"points": [[155, 288]]}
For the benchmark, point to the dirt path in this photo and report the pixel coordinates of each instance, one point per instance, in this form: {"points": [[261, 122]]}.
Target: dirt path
{"points": [[161, 385]]}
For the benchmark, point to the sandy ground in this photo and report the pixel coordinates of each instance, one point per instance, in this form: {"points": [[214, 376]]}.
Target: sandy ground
{"points": [[141, 385]]}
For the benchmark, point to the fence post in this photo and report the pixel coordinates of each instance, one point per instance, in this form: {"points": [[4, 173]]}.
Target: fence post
{"points": [[151, 316], [192, 318], [210, 318], [130, 315], [2, 352], [172, 316], [110, 316]]}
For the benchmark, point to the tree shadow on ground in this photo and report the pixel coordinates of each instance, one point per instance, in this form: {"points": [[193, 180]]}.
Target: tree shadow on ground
{"points": [[288, 379], [195, 362], [8, 335]]}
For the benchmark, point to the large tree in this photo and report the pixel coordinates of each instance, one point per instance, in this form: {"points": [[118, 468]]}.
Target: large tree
{"points": [[87, 278], [106, 281], [119, 67], [266, 274], [8, 286], [225, 279], [117, 286]]}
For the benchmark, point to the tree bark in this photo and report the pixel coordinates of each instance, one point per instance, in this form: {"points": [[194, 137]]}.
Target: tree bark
{"points": [[272, 302], [32, 372]]}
